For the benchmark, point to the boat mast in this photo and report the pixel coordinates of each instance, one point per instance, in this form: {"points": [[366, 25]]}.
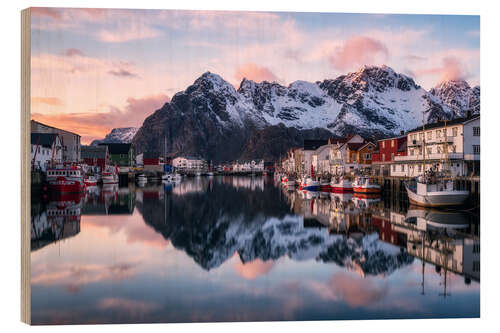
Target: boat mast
{"points": [[423, 138]]}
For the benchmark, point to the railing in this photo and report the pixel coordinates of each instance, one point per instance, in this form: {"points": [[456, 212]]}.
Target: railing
{"points": [[440, 156]]}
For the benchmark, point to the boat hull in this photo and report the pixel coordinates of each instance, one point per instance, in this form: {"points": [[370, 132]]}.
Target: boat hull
{"points": [[437, 199], [339, 189], [66, 186], [366, 189]]}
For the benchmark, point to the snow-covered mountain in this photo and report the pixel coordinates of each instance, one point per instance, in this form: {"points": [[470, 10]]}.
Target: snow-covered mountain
{"points": [[118, 135], [213, 119], [458, 96]]}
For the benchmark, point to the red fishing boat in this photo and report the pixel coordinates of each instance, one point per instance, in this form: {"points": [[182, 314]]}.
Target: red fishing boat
{"points": [[65, 179]]}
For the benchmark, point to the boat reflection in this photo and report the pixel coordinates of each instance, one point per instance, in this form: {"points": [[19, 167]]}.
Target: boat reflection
{"points": [[55, 220]]}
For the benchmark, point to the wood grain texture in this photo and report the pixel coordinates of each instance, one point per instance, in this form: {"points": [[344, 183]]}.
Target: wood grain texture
{"points": [[25, 166]]}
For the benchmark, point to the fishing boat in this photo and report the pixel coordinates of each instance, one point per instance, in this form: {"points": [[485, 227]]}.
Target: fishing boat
{"points": [[65, 179], [365, 185], [433, 188], [324, 185], [311, 185], [142, 178], [290, 182], [341, 185], [110, 176], [90, 181], [429, 191]]}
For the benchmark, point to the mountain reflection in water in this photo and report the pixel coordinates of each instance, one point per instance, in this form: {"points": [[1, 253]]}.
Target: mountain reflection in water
{"points": [[244, 248]]}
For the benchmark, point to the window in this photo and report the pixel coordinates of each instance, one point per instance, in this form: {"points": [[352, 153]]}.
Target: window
{"points": [[438, 133], [419, 167], [411, 152], [475, 131], [392, 157], [394, 167], [383, 144], [429, 135], [402, 168], [368, 157], [420, 136], [383, 157], [392, 143], [455, 131], [429, 151], [476, 149], [475, 248]]}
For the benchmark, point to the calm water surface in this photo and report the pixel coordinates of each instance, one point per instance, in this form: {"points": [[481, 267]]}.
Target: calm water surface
{"points": [[245, 249]]}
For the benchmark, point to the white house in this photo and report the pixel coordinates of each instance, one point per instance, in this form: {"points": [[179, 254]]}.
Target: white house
{"points": [[45, 148], [454, 145], [338, 158], [189, 163]]}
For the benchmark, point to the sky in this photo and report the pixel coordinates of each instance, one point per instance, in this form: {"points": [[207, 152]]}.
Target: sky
{"points": [[97, 69]]}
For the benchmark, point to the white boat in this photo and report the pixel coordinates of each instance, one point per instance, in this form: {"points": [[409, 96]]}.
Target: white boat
{"points": [[439, 193], [433, 189], [365, 185], [424, 218], [311, 185], [290, 182], [110, 176], [340, 185]]}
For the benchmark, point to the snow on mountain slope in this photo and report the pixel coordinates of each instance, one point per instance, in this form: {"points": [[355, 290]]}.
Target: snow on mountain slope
{"points": [[458, 96], [118, 135]]}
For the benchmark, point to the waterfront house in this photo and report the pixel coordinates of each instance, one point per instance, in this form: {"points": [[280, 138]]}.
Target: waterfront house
{"points": [[151, 161], [385, 151], [359, 155], [189, 163], [453, 144], [340, 155], [71, 150], [45, 148], [95, 156], [309, 149], [121, 154]]}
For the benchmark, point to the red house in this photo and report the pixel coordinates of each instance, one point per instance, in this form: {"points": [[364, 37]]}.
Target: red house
{"points": [[385, 152], [151, 158], [95, 156]]}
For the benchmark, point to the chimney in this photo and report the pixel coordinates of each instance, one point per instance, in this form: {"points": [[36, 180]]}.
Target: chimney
{"points": [[468, 114], [401, 132]]}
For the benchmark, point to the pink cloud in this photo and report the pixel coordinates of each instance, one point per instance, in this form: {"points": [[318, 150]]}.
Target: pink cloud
{"points": [[46, 12], [451, 69], [358, 51], [73, 276], [94, 125], [252, 270], [53, 101], [132, 307], [73, 52], [254, 72]]}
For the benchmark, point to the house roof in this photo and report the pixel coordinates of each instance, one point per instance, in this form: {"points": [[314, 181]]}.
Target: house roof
{"points": [[117, 148], [314, 144], [43, 139], [452, 122], [94, 151], [58, 129], [358, 145]]}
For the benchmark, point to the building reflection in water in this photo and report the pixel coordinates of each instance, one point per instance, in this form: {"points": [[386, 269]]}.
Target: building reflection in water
{"points": [[260, 229], [55, 220]]}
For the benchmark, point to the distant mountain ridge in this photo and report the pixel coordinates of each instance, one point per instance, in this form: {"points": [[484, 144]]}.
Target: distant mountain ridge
{"points": [[118, 135], [214, 120]]}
